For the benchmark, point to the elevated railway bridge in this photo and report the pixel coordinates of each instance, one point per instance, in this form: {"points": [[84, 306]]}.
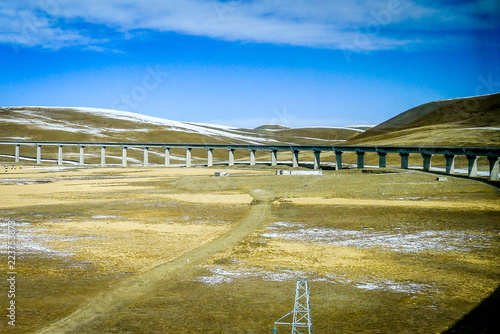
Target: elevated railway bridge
{"points": [[427, 152]]}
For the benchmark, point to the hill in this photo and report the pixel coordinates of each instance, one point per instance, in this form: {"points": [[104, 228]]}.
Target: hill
{"points": [[272, 127], [88, 124], [98, 125], [472, 121]]}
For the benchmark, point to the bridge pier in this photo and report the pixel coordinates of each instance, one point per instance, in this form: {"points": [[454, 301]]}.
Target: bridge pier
{"points": [[338, 160], [231, 157], [361, 159], [317, 159], [188, 157], [60, 155], [124, 156], [427, 161], [472, 171], [449, 153], [295, 158], [103, 156], [38, 154], [274, 157], [252, 157], [146, 157], [167, 156], [450, 163], [17, 153], [494, 167], [82, 155], [210, 157], [382, 159], [404, 160]]}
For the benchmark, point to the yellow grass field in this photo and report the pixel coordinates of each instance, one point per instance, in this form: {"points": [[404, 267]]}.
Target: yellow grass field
{"points": [[170, 250]]}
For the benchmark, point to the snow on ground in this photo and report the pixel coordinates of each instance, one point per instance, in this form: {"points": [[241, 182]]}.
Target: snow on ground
{"points": [[211, 130], [320, 139], [459, 241], [457, 171], [104, 217], [24, 181], [284, 224], [55, 126], [402, 287], [352, 128], [221, 275], [433, 169], [484, 128], [31, 240]]}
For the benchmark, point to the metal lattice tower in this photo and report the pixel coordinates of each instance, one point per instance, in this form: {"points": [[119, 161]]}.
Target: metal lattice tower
{"points": [[301, 321]]}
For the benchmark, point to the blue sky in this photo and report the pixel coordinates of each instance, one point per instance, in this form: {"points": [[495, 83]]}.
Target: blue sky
{"points": [[251, 62]]}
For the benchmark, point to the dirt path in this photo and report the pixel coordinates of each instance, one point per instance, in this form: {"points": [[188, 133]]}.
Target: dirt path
{"points": [[138, 286]]}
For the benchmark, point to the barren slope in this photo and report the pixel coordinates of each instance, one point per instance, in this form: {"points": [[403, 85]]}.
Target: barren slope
{"points": [[472, 121]]}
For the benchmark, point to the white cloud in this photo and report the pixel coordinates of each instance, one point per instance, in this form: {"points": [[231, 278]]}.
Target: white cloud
{"points": [[339, 24], [23, 26]]}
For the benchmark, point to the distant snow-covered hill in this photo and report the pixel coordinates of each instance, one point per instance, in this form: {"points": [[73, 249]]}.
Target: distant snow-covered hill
{"points": [[90, 124]]}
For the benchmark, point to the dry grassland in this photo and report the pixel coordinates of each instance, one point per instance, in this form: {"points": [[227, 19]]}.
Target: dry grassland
{"points": [[156, 250]]}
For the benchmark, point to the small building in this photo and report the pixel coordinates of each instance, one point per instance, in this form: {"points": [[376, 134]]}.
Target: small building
{"points": [[299, 172]]}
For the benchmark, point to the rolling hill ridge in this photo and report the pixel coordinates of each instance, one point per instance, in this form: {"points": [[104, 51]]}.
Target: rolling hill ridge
{"points": [[473, 121], [88, 124]]}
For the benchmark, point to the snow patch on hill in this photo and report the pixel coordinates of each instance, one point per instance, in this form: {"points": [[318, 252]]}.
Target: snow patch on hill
{"points": [[211, 130], [134, 117]]}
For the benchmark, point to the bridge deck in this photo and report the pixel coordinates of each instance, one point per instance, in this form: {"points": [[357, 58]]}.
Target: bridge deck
{"points": [[492, 153], [444, 150]]}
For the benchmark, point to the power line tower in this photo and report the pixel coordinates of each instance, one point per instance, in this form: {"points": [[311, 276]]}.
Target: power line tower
{"points": [[301, 314]]}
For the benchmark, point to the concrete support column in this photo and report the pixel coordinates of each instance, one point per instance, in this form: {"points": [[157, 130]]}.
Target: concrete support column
{"points": [[38, 154], [103, 156], [472, 172], [450, 163], [146, 157], [361, 159], [60, 155], [295, 158], [82, 155], [404, 160], [167, 156], [494, 167], [231, 157], [188, 157], [274, 157], [317, 159], [210, 157], [427, 161], [252, 157], [338, 160], [17, 153], [124, 156], [382, 159]]}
